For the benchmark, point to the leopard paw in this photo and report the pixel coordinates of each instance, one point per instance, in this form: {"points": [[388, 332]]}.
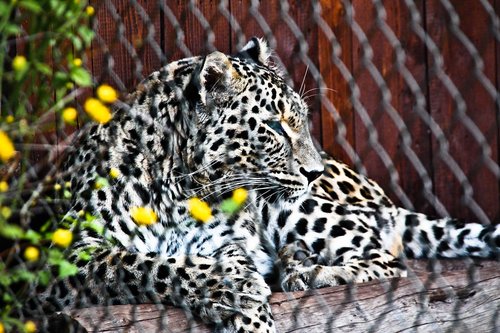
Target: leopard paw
{"points": [[313, 277]]}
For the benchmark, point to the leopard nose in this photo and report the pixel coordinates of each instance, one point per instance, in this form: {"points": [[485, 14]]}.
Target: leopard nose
{"points": [[311, 175]]}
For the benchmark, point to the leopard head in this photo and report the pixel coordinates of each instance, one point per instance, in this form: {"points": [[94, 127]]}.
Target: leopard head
{"points": [[251, 128]]}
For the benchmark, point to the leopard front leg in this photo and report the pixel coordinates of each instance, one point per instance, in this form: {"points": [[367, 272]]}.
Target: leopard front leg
{"points": [[300, 271], [225, 290]]}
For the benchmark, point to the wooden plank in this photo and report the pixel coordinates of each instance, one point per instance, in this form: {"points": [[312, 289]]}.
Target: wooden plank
{"points": [[123, 51], [185, 33], [480, 108], [282, 37], [405, 102], [449, 301], [401, 101], [333, 13], [371, 96]]}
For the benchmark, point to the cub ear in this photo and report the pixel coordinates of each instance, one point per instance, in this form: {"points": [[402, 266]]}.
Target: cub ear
{"points": [[216, 76], [256, 50]]}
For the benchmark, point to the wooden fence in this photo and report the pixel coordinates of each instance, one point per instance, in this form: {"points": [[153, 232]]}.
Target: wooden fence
{"points": [[411, 62]]}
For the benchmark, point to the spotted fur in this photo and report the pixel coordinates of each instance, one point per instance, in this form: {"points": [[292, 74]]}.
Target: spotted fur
{"points": [[205, 126]]}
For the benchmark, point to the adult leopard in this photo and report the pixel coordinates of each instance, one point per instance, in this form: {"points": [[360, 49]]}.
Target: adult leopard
{"points": [[205, 126]]}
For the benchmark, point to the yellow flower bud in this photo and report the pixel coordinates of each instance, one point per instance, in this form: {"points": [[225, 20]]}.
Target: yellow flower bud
{"points": [[69, 115], [19, 63], [240, 195], [114, 173], [4, 186], [97, 111], [31, 253], [6, 212], [9, 119], [62, 237], [106, 93], [57, 187], [2, 328], [77, 62], [199, 209], [90, 10], [7, 150], [143, 215], [30, 326]]}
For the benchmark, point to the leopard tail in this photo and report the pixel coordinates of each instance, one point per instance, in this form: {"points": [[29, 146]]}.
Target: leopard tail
{"points": [[424, 237]]}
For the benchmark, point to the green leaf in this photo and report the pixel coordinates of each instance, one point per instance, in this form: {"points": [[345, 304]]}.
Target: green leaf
{"points": [[86, 33], [32, 236], [67, 269], [7, 298], [101, 182], [44, 277], [5, 280], [11, 231], [97, 227], [229, 206], [3, 8], [84, 255], [24, 275], [43, 68], [77, 42], [60, 79], [81, 76], [11, 29], [66, 194], [55, 257], [31, 6]]}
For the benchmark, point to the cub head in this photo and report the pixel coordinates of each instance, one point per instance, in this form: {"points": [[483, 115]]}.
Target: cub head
{"points": [[251, 128]]}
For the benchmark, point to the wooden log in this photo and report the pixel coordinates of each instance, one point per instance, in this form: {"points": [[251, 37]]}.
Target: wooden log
{"points": [[458, 296]]}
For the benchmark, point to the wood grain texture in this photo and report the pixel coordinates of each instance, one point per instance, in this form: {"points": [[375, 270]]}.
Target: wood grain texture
{"points": [[425, 302], [334, 52], [478, 108], [121, 54]]}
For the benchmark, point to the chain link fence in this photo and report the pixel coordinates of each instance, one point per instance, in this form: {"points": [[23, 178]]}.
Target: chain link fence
{"points": [[404, 91]]}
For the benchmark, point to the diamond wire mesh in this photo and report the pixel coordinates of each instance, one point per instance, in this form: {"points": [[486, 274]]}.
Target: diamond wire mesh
{"points": [[136, 37]]}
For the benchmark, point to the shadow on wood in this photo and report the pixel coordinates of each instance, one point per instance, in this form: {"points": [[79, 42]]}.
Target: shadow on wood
{"points": [[459, 296]]}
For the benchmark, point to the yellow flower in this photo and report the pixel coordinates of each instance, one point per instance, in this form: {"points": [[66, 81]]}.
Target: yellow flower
{"points": [[6, 212], [67, 184], [240, 195], [90, 10], [81, 213], [19, 63], [4, 186], [69, 115], [2, 328], [106, 93], [30, 326], [114, 173], [9, 119], [7, 150], [199, 209], [77, 62], [62, 237], [97, 111], [143, 215], [31, 253], [57, 187]]}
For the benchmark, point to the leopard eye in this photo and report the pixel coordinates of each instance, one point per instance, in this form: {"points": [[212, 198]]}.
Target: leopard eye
{"points": [[276, 126]]}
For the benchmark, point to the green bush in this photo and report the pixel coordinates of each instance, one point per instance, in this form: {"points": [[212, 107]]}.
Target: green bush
{"points": [[43, 44]]}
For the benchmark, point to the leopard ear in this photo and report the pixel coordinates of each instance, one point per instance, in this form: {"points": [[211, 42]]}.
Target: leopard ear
{"points": [[216, 75], [256, 50]]}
